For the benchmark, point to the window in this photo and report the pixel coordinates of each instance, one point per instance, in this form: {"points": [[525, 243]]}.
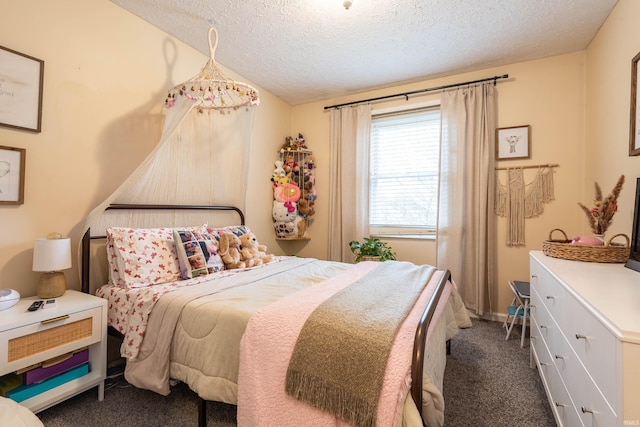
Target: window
{"points": [[404, 164]]}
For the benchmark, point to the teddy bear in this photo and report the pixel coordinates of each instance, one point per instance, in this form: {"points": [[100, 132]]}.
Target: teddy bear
{"points": [[305, 207], [301, 227], [290, 165], [253, 253], [229, 251], [288, 144]]}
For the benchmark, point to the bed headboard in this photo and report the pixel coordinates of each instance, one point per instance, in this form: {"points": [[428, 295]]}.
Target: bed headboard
{"points": [[94, 268]]}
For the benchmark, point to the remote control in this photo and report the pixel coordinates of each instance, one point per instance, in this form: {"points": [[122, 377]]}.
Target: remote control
{"points": [[35, 305]]}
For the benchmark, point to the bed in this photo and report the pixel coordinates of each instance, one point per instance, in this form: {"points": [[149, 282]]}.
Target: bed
{"points": [[211, 331]]}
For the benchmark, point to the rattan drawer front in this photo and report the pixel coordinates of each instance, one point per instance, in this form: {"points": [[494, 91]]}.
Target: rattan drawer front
{"points": [[49, 337], [35, 343]]}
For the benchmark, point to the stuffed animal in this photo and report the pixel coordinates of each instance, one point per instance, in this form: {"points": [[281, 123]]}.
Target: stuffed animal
{"points": [[229, 251], [284, 219], [282, 211], [305, 207], [301, 227], [288, 144], [279, 171], [587, 241], [290, 165], [253, 253], [299, 142], [309, 162]]}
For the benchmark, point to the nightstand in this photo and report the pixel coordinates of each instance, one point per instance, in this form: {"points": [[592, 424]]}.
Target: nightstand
{"points": [[27, 339]]}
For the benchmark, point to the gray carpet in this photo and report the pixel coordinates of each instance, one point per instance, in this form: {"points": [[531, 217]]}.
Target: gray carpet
{"points": [[488, 383]]}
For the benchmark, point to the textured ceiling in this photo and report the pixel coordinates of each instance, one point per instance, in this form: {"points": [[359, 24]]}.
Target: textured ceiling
{"points": [[311, 50]]}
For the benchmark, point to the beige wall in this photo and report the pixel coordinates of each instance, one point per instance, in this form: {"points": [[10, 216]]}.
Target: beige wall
{"points": [[608, 89], [105, 80], [106, 76]]}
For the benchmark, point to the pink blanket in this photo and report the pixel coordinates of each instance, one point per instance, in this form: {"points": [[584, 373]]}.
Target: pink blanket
{"points": [[270, 337]]}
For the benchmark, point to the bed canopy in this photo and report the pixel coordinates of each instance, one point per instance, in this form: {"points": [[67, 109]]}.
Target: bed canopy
{"points": [[202, 156]]}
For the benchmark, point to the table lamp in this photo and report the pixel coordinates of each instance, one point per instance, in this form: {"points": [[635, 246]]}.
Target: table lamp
{"points": [[51, 255]]}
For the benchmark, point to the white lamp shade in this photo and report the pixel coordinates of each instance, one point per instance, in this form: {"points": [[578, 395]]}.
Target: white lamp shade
{"points": [[52, 254]]}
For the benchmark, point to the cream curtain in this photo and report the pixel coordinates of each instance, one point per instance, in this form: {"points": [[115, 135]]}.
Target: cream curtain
{"points": [[348, 179], [466, 227]]}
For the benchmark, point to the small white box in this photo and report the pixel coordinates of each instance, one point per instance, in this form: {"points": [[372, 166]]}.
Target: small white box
{"points": [[50, 303]]}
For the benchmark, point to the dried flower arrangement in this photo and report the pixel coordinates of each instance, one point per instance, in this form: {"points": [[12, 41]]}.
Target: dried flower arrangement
{"points": [[601, 215]]}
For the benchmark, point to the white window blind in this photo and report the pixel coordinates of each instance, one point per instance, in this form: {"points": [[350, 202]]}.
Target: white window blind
{"points": [[404, 164]]}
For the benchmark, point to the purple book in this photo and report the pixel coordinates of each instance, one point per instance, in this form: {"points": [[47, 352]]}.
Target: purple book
{"points": [[37, 375]]}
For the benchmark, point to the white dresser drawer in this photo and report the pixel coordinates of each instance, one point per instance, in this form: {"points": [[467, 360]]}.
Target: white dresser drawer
{"points": [[562, 406], [546, 325], [590, 404], [551, 294], [595, 346], [26, 345]]}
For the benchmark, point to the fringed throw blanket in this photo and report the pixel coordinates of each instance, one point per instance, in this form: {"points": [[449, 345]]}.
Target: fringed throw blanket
{"points": [[340, 357]]}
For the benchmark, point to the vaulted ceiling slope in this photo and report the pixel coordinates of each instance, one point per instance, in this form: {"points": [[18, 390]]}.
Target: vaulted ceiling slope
{"points": [[311, 50]]}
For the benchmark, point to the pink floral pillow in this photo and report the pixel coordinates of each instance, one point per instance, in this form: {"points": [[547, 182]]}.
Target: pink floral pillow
{"points": [[141, 257]]}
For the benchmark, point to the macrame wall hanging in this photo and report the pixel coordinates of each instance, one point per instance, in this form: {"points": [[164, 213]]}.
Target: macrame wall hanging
{"points": [[517, 200]]}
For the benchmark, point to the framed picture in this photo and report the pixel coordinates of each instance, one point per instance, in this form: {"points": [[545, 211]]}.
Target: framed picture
{"points": [[12, 162], [513, 143], [21, 80], [634, 128]]}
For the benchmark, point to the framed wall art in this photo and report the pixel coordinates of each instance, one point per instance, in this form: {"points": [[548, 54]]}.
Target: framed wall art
{"points": [[634, 128], [513, 143], [21, 82], [12, 161]]}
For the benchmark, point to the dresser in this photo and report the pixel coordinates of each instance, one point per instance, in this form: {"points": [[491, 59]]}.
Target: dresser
{"points": [[48, 338], [585, 340]]}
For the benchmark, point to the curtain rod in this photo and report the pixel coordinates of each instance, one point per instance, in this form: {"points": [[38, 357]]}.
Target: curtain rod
{"points": [[406, 94], [546, 165]]}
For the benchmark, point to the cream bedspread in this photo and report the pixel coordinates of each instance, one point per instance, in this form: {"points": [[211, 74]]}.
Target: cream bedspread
{"points": [[193, 334]]}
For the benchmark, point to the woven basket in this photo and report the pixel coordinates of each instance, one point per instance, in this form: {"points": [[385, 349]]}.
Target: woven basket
{"points": [[610, 252]]}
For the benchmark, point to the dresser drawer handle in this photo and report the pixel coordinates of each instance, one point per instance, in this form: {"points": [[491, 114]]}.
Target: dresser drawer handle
{"points": [[550, 297], [544, 327], [533, 276], [581, 337], [55, 319], [544, 364], [557, 356], [560, 405], [586, 410]]}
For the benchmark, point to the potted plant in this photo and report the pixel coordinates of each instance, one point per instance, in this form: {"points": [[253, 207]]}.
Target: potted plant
{"points": [[371, 249]]}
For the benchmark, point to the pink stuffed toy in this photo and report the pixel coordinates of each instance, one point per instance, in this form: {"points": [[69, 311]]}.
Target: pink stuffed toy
{"points": [[587, 241]]}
